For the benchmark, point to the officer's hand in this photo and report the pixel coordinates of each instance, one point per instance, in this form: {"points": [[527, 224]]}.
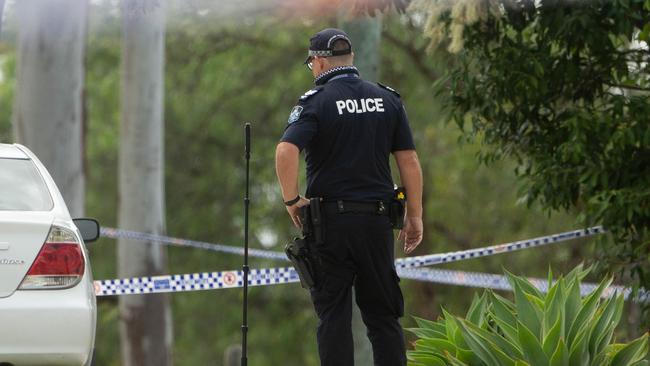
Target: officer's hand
{"points": [[411, 234], [294, 211]]}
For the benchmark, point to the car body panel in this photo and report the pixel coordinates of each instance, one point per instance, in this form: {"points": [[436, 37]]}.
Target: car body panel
{"points": [[47, 327], [12, 152], [23, 235], [43, 327]]}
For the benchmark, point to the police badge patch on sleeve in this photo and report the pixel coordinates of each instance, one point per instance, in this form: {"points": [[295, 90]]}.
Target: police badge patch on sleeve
{"points": [[295, 114]]}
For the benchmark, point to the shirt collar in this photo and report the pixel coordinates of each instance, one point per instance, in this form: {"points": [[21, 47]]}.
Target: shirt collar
{"points": [[328, 75]]}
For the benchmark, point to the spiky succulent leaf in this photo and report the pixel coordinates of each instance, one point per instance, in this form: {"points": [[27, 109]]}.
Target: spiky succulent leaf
{"points": [[511, 349], [560, 356], [533, 351], [633, 352], [428, 324], [552, 339], [486, 351], [571, 305], [450, 325], [509, 332], [426, 333], [467, 356], [605, 316], [587, 310], [525, 285], [435, 345], [423, 358], [528, 312], [553, 308], [503, 308], [579, 350], [477, 310], [578, 273]]}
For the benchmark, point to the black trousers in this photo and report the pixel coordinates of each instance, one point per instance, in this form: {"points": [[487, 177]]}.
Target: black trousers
{"points": [[358, 251]]}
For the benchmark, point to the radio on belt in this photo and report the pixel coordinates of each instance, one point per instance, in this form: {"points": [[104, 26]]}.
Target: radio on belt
{"points": [[398, 208]]}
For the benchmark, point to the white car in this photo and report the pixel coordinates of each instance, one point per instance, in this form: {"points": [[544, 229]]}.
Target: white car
{"points": [[48, 309]]}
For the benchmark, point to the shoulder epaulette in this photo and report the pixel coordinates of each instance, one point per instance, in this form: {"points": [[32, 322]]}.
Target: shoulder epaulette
{"points": [[389, 89], [310, 93]]}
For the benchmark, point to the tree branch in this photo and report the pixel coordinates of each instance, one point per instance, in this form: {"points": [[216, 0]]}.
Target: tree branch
{"points": [[640, 51], [630, 87], [414, 53]]}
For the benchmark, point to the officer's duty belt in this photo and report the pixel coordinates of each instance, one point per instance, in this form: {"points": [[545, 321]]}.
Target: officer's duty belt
{"points": [[373, 208]]}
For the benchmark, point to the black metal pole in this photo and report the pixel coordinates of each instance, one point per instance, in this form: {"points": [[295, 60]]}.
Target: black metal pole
{"points": [[244, 327]]}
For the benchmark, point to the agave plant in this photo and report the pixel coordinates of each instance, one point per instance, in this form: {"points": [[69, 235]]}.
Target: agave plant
{"points": [[538, 329]]}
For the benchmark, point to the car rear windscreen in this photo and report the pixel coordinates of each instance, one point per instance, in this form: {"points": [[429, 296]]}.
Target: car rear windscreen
{"points": [[22, 188]]}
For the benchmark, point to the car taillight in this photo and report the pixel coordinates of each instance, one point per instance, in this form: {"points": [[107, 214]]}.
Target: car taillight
{"points": [[59, 264]]}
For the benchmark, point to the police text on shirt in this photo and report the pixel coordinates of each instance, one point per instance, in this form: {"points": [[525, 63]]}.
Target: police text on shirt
{"points": [[360, 105]]}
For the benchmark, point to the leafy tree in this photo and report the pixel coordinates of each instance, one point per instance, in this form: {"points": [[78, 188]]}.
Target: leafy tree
{"points": [[562, 87]]}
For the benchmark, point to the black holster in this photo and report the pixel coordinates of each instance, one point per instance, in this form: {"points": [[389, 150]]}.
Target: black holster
{"points": [[301, 251], [299, 254]]}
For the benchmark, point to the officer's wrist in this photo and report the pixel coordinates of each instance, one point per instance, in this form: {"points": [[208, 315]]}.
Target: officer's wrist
{"points": [[292, 202], [414, 212]]}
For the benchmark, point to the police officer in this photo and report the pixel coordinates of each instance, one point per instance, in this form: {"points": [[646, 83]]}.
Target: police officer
{"points": [[348, 128]]}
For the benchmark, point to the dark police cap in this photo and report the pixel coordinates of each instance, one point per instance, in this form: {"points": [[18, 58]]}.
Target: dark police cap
{"points": [[322, 43]]}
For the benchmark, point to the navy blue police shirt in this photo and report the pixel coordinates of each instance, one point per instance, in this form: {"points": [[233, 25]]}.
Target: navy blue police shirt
{"points": [[348, 127]]}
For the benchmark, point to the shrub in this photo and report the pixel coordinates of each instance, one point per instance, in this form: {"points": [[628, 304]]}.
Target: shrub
{"points": [[537, 329]]}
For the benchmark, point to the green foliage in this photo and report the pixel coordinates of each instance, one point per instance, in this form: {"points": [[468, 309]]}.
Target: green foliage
{"points": [[7, 67], [562, 86], [552, 329]]}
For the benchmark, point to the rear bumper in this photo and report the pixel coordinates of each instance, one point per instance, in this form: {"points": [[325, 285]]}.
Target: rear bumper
{"points": [[53, 327]]}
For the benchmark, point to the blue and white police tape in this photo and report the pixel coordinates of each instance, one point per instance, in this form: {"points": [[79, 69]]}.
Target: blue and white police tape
{"points": [[113, 233], [500, 282], [274, 276], [409, 262], [195, 281], [432, 259]]}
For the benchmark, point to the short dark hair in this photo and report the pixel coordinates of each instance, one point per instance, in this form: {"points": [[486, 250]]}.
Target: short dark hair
{"points": [[340, 45]]}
